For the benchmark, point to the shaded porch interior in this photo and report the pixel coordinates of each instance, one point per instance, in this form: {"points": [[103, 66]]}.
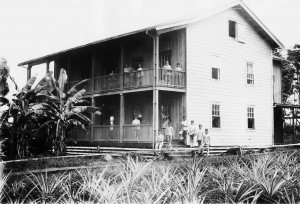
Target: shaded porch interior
{"points": [[104, 63], [115, 122]]}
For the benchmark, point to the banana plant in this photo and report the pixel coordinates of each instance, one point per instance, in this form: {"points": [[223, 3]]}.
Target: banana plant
{"points": [[41, 117]]}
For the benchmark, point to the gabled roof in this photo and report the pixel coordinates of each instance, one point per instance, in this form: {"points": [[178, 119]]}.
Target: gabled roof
{"points": [[202, 14]]}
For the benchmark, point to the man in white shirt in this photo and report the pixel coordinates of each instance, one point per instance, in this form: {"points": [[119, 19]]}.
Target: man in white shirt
{"points": [[192, 133], [167, 73], [136, 127], [184, 128]]}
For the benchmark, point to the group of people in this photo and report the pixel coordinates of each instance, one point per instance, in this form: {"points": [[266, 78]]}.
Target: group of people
{"points": [[167, 74], [133, 78], [189, 135]]}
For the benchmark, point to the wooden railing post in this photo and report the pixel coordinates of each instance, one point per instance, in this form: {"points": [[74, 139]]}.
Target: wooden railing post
{"points": [[121, 85], [93, 120], [121, 116]]}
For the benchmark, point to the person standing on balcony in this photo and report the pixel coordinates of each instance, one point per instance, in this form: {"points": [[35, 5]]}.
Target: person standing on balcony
{"points": [[178, 74], [140, 74], [167, 73], [127, 75], [136, 127]]}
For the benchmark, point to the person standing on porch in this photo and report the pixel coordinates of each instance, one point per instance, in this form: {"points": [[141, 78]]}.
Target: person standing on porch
{"points": [[159, 140], [184, 128], [205, 143], [169, 132], [140, 74], [136, 127], [200, 135], [178, 74], [192, 133], [167, 73]]}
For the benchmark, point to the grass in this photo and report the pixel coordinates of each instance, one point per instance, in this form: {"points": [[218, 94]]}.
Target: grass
{"points": [[269, 178]]}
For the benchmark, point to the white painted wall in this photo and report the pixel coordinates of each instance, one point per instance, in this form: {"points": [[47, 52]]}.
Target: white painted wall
{"points": [[210, 37]]}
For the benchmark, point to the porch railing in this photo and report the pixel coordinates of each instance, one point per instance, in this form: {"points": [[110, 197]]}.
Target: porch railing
{"points": [[109, 82], [107, 133], [141, 133], [80, 134], [87, 87], [138, 79], [171, 78]]}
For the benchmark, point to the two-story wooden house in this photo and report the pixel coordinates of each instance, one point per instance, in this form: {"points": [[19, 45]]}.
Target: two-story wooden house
{"points": [[225, 82]]}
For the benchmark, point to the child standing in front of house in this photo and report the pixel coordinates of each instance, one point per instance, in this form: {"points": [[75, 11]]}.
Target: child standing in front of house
{"points": [[159, 140], [169, 134], [205, 142]]}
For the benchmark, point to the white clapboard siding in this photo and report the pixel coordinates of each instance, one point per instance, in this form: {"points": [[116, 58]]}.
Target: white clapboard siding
{"points": [[210, 37]]}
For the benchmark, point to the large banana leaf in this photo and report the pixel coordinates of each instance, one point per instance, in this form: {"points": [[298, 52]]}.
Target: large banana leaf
{"points": [[46, 85], [82, 102], [89, 109], [28, 85], [73, 99], [77, 87], [62, 80], [80, 117], [40, 98]]}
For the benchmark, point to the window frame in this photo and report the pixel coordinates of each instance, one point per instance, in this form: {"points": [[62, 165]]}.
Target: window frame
{"points": [[239, 31], [212, 115], [215, 63], [253, 73], [249, 116]]}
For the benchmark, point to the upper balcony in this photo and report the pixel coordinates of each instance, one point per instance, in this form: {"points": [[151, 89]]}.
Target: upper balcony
{"points": [[135, 80], [104, 64]]}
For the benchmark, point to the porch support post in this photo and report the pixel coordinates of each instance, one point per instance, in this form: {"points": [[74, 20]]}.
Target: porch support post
{"points": [[121, 66], [93, 120], [155, 90], [47, 66], [29, 72], [93, 70], [293, 122], [121, 116]]}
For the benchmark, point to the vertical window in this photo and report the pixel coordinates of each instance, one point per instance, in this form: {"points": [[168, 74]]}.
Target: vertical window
{"points": [[215, 67], [250, 73], [216, 119], [237, 31], [232, 29], [250, 118]]}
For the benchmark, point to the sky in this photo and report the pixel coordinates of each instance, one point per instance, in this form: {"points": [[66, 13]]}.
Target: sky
{"points": [[33, 28]]}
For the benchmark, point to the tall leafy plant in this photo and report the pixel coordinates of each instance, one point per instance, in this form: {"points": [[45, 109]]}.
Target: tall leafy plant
{"points": [[38, 120]]}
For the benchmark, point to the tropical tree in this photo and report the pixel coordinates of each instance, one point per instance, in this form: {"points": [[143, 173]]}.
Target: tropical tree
{"points": [[38, 120]]}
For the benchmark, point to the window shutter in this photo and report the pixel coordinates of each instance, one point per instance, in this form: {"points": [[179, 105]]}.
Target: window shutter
{"points": [[241, 32]]}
